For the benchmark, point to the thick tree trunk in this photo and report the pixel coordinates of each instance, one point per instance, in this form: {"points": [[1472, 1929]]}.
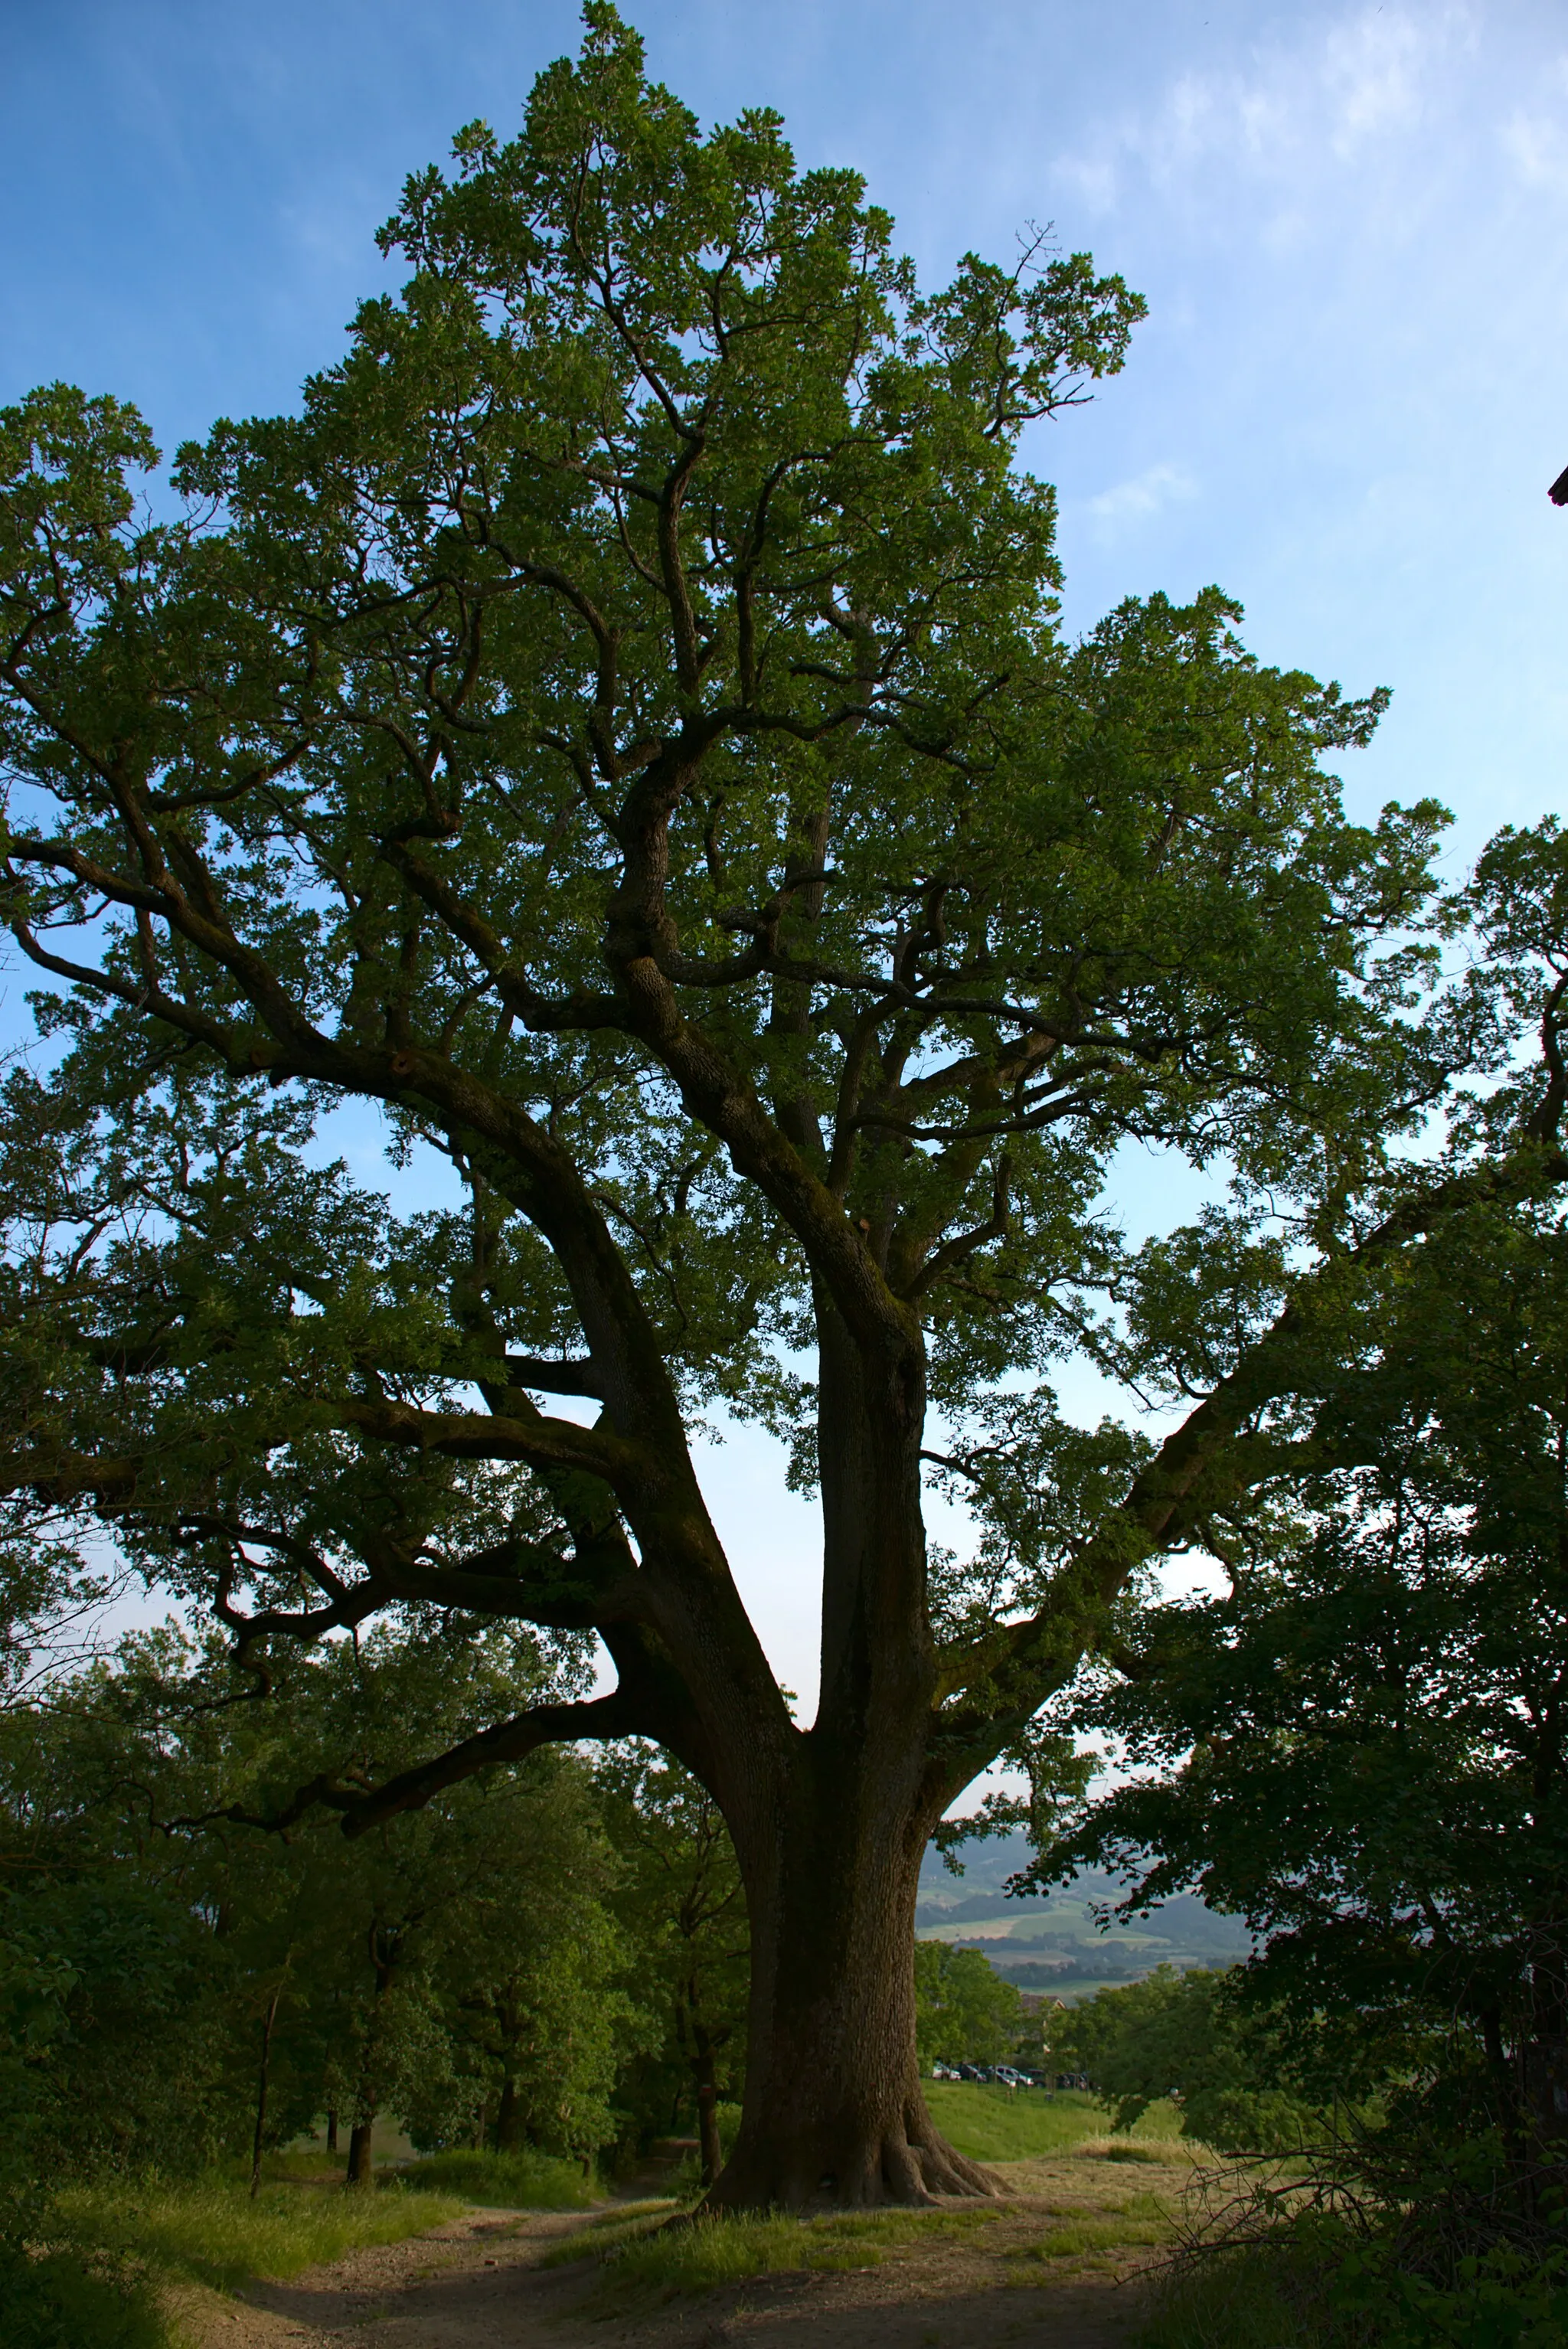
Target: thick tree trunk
{"points": [[834, 2111], [360, 2167]]}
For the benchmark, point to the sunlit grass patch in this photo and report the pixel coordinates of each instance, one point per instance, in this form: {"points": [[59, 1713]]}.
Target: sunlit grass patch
{"points": [[213, 2232], [524, 2180], [989, 2124], [605, 2234], [1171, 2151], [653, 2257], [1094, 2235], [625, 2216]]}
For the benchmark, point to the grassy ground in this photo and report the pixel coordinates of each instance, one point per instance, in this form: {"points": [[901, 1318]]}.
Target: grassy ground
{"points": [[992, 2124], [210, 2231], [643, 2259], [510, 2181], [641, 2256], [1092, 2237]]}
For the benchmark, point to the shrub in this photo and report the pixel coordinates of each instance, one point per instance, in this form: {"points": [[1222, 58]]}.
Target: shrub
{"points": [[1384, 2244]]}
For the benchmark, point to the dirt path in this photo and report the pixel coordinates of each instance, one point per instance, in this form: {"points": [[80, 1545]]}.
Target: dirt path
{"points": [[475, 2283]]}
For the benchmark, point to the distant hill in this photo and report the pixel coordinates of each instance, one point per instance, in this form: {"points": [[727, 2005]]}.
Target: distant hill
{"points": [[1050, 1943]]}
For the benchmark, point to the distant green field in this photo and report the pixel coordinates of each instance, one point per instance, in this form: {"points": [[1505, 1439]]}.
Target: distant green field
{"points": [[989, 2124]]}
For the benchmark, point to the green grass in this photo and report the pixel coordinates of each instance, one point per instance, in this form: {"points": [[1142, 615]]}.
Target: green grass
{"points": [[510, 2181], [1168, 2151], [1092, 2235], [1253, 2298], [988, 2125], [649, 2259], [212, 2231], [309, 2164]]}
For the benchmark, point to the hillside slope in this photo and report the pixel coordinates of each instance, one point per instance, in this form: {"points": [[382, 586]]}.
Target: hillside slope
{"points": [[1051, 1942]]}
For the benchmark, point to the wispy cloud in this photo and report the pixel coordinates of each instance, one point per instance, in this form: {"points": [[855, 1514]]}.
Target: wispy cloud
{"points": [[1374, 69], [1535, 139], [1146, 493], [1336, 96]]}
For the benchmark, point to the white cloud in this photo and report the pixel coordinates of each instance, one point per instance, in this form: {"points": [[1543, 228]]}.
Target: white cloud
{"points": [[1340, 93], [1145, 493], [1373, 70], [1537, 146]]}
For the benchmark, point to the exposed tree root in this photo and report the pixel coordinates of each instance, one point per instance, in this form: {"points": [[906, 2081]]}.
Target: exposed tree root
{"points": [[905, 2167]]}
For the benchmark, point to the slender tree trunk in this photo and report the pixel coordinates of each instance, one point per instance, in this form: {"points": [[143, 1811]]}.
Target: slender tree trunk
{"points": [[707, 2128], [271, 2016], [508, 2118], [360, 2167], [332, 2128], [382, 1944], [1545, 2064]]}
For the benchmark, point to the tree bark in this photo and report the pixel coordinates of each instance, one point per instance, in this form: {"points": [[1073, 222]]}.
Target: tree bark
{"points": [[360, 2169], [834, 2112], [709, 2152], [332, 2129]]}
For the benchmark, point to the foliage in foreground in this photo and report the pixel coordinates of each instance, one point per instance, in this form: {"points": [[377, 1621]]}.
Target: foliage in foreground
{"points": [[111, 2245], [1360, 1745], [1186, 2035], [1382, 2241], [1334, 2292], [60, 2301]]}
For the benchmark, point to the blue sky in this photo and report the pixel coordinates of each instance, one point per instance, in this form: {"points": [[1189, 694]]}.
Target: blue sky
{"points": [[1351, 225]]}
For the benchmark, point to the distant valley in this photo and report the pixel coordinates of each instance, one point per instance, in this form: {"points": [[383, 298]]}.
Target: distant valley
{"points": [[1050, 1943]]}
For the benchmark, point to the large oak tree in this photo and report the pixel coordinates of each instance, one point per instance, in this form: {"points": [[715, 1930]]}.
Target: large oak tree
{"points": [[621, 726]]}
